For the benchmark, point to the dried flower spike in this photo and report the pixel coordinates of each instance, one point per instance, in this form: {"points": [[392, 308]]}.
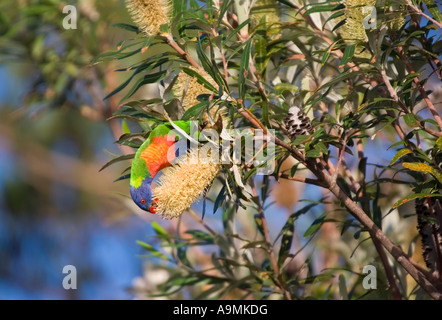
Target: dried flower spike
{"points": [[150, 15], [429, 222], [297, 123], [183, 183]]}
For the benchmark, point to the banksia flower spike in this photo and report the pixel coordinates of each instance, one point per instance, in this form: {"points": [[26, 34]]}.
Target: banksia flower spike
{"points": [[354, 29], [269, 11], [191, 89], [297, 123], [150, 15], [183, 183]]}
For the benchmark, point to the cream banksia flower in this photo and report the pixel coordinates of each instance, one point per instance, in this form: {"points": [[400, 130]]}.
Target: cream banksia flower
{"points": [[150, 15], [183, 183], [191, 89], [269, 10], [353, 29]]}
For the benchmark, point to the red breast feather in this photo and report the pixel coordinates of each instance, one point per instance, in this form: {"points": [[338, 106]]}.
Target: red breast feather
{"points": [[155, 154]]}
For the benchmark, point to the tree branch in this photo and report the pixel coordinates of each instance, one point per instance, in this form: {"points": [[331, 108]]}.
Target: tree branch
{"points": [[423, 14]]}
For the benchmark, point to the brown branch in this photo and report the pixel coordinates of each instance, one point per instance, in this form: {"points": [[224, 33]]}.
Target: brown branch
{"points": [[434, 287], [179, 50], [362, 217], [366, 206], [421, 88], [396, 99], [268, 240], [388, 271], [423, 14], [421, 277]]}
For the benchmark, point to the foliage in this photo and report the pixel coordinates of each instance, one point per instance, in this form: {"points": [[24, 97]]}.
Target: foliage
{"points": [[358, 90], [376, 146]]}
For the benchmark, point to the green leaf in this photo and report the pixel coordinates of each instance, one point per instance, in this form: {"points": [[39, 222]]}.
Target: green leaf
{"points": [[194, 112], [300, 139], [256, 244], [223, 9], [200, 79], [327, 53], [399, 155], [348, 54], [144, 67], [439, 143], [343, 287], [201, 235], [261, 56], [411, 120], [315, 225], [149, 78], [415, 196], [314, 153], [237, 29], [434, 9], [159, 230], [323, 7], [126, 26], [258, 222], [118, 159], [123, 177], [220, 198], [287, 233], [152, 250], [244, 66], [394, 145], [182, 255]]}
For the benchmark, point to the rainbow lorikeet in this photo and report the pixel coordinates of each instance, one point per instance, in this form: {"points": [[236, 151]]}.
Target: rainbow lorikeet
{"points": [[151, 157]]}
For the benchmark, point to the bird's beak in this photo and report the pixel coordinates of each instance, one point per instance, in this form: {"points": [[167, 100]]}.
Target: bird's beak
{"points": [[153, 207]]}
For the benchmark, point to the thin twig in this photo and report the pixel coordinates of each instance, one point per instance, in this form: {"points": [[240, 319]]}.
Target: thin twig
{"points": [[302, 179], [178, 49], [268, 240], [423, 14], [420, 87]]}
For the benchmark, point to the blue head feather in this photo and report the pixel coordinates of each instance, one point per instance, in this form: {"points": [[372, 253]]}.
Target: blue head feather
{"points": [[142, 195]]}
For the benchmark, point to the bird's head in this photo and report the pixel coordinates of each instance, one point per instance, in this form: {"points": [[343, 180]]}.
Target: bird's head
{"points": [[142, 196]]}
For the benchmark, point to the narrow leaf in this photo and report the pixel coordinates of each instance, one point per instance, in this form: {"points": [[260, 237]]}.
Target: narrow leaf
{"points": [[399, 155]]}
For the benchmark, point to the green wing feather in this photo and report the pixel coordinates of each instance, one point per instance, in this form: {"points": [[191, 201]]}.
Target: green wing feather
{"points": [[139, 170]]}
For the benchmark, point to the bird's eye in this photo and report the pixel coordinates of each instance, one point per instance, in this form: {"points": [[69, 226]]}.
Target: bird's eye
{"points": [[143, 201]]}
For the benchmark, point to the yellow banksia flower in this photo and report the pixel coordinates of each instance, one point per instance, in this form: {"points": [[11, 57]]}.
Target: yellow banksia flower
{"points": [[354, 29], [270, 11], [150, 15], [183, 183], [191, 89], [396, 20]]}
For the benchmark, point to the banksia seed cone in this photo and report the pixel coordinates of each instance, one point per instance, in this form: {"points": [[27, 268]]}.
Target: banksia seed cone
{"points": [[297, 123], [429, 222], [183, 183], [150, 15]]}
